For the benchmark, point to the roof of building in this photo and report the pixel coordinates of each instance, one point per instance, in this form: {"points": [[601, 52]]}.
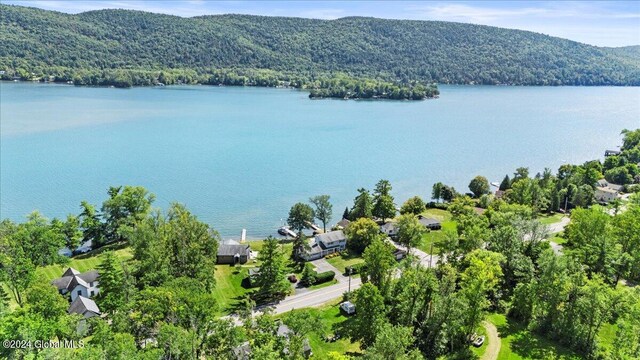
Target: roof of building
{"points": [[72, 278], [606, 190], [388, 226], [232, 250], [428, 221], [344, 223], [82, 304], [331, 237]]}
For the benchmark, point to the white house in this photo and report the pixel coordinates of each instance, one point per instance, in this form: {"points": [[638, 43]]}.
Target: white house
{"points": [[325, 244], [606, 191], [78, 284]]}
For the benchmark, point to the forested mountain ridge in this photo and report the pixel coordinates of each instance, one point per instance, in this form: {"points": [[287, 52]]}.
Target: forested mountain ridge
{"points": [[399, 51]]}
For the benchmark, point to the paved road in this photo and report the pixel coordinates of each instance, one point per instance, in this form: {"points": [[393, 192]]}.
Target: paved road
{"points": [[494, 343], [316, 297]]}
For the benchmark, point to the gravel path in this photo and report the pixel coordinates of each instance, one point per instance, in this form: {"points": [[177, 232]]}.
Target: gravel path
{"points": [[493, 347]]}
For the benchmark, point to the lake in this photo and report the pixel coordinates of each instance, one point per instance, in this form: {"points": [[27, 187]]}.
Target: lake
{"points": [[240, 157]]}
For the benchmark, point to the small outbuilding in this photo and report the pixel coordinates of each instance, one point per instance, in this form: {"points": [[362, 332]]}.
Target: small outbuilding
{"points": [[233, 254], [84, 306]]}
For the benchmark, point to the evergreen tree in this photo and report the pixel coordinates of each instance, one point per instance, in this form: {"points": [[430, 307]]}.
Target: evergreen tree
{"points": [[273, 269], [383, 206], [362, 205], [505, 184], [112, 285]]}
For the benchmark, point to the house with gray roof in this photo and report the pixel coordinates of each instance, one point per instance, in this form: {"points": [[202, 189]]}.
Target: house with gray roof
{"points": [[325, 244], [84, 306], [431, 224], [77, 284], [233, 254], [389, 228]]}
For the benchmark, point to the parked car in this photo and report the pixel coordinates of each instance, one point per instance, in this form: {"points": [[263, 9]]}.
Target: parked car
{"points": [[478, 341], [348, 307]]}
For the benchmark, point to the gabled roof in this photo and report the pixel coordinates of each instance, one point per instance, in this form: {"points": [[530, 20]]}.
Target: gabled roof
{"points": [[388, 226], [82, 304], [72, 278], [232, 250], [331, 237]]}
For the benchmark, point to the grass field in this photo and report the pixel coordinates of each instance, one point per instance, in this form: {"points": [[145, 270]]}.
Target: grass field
{"points": [[550, 219], [519, 343], [229, 290], [558, 240], [341, 262], [82, 263]]}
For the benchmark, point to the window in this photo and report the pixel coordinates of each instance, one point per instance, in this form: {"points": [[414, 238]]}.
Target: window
{"points": [[79, 292], [92, 292], [91, 284]]}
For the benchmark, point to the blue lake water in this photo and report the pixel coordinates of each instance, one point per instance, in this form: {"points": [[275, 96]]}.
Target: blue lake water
{"points": [[240, 157]]}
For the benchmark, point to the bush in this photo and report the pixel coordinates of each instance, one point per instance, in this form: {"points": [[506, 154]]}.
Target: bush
{"points": [[355, 269], [325, 277]]}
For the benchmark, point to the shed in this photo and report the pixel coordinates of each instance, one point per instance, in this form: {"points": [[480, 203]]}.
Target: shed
{"points": [[233, 254]]}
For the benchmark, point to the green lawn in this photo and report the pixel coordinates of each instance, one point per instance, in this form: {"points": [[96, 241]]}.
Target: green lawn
{"points": [[82, 263], [547, 219], [439, 214], [436, 236], [558, 240], [330, 317], [341, 262], [229, 290], [519, 343]]}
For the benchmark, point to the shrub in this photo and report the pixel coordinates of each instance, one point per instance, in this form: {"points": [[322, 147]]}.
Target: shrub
{"points": [[325, 277], [308, 275], [355, 269]]}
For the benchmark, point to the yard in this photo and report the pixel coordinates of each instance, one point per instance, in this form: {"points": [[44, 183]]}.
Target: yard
{"points": [[82, 263], [341, 262], [434, 237], [519, 343], [330, 317], [229, 290], [547, 219]]}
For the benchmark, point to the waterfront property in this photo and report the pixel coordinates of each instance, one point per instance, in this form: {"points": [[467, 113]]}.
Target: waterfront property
{"points": [[324, 244], [429, 223], [233, 254], [77, 284]]}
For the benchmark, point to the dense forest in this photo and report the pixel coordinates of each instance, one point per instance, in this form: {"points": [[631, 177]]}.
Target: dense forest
{"points": [[124, 48]]}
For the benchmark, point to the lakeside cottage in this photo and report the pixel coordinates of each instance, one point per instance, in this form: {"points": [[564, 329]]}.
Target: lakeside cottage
{"points": [[325, 244], [429, 223], [390, 229], [233, 254], [78, 284]]}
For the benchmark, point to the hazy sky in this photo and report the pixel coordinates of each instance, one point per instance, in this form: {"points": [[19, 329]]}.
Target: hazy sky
{"points": [[602, 23]]}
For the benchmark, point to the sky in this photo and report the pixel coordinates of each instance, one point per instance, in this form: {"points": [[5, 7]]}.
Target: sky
{"points": [[601, 23]]}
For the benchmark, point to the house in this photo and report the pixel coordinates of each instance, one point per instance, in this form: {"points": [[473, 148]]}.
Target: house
{"points": [[84, 306], [348, 307], [78, 284], [389, 228], [606, 191], [233, 254], [325, 244], [431, 224]]}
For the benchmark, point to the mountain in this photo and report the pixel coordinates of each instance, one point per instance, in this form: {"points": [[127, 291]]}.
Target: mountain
{"points": [[399, 51]]}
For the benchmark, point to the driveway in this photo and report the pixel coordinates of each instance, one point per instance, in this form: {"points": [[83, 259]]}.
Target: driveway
{"points": [[323, 265]]}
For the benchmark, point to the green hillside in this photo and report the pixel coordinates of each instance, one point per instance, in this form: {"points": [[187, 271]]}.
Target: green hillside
{"points": [[258, 50]]}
